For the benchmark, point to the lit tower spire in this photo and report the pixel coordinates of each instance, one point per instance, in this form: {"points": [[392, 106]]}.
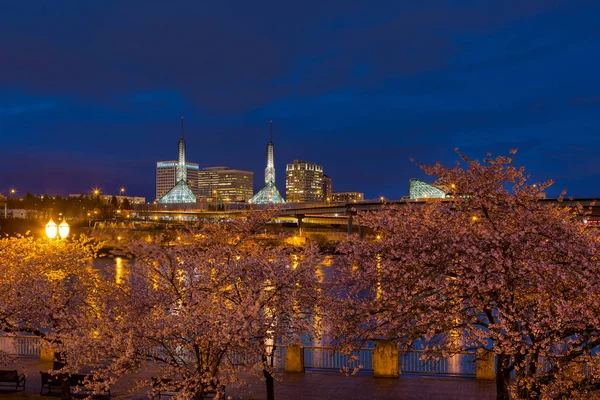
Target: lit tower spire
{"points": [[180, 193], [268, 194], [181, 167], [270, 169]]}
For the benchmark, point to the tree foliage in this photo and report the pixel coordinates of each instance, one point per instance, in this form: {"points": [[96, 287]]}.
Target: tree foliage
{"points": [[214, 303], [495, 267]]}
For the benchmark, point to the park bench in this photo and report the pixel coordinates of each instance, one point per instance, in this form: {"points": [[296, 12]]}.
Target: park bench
{"points": [[78, 380], [51, 382], [163, 387], [12, 379]]}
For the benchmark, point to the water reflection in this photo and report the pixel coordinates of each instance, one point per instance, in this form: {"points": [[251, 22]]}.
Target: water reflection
{"points": [[112, 268], [118, 270]]}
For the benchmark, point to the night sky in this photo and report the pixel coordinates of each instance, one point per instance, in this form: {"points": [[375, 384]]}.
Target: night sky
{"points": [[92, 92]]}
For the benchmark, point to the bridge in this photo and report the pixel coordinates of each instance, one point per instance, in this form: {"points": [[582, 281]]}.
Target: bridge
{"points": [[331, 216]]}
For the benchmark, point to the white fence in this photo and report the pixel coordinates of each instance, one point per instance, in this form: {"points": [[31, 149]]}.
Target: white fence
{"points": [[20, 345]]}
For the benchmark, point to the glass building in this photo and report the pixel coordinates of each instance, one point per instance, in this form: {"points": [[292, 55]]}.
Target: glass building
{"points": [[166, 177], [419, 189], [269, 193], [180, 192]]}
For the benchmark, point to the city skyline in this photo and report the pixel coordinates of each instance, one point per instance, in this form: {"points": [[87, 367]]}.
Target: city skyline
{"points": [[359, 90]]}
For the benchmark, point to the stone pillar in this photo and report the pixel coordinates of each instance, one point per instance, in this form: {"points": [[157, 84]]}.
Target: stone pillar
{"points": [[386, 359], [485, 366], [294, 358]]}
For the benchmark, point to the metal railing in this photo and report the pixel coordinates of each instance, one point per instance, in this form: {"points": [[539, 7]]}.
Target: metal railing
{"points": [[416, 362], [20, 345], [328, 358], [411, 362], [315, 357]]}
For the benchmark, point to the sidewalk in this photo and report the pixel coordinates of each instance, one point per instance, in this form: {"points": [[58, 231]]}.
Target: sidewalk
{"points": [[315, 386]]}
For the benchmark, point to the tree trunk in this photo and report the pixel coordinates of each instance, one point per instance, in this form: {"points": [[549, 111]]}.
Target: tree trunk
{"points": [[270, 385], [502, 377]]}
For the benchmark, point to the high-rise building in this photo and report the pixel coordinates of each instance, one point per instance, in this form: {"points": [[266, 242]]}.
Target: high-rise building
{"points": [[303, 182], [166, 176], [225, 184], [327, 189], [180, 192], [269, 193], [348, 197]]}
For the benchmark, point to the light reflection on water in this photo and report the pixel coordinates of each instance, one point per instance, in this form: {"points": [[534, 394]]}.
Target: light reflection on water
{"points": [[118, 269]]}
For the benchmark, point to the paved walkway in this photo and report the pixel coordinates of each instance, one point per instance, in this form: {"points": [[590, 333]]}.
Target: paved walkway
{"points": [[318, 386]]}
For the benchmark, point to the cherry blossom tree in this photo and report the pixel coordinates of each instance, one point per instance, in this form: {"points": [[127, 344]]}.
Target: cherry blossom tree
{"points": [[47, 287], [205, 310], [495, 267]]}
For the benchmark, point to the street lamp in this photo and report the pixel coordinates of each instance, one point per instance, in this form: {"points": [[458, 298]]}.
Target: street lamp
{"points": [[61, 230], [51, 229], [12, 191]]}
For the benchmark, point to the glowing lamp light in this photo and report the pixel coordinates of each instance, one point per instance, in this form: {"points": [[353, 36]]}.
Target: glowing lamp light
{"points": [[63, 229], [51, 229]]}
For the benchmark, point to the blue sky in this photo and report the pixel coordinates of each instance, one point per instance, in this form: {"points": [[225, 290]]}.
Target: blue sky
{"points": [[91, 93]]}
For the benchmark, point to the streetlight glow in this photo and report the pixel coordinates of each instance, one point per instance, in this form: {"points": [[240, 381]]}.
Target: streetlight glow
{"points": [[51, 229], [63, 229]]}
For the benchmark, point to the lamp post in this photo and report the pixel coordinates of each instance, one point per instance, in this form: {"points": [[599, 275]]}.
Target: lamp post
{"points": [[62, 230]]}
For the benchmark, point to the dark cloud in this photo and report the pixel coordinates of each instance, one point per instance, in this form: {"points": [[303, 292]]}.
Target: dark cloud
{"points": [[96, 89]]}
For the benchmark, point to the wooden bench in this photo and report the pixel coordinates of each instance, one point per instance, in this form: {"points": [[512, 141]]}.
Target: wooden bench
{"points": [[163, 387], [50, 382], [78, 380], [12, 379]]}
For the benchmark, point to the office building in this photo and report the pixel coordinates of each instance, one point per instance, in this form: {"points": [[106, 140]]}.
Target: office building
{"points": [[348, 197], [304, 182], [180, 192], [223, 184], [269, 193], [166, 176], [327, 189]]}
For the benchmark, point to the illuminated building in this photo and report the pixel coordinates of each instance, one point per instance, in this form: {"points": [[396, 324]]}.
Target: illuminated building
{"points": [[225, 184], [269, 193], [180, 192], [303, 182], [419, 189], [166, 176], [327, 190], [107, 198], [348, 197]]}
